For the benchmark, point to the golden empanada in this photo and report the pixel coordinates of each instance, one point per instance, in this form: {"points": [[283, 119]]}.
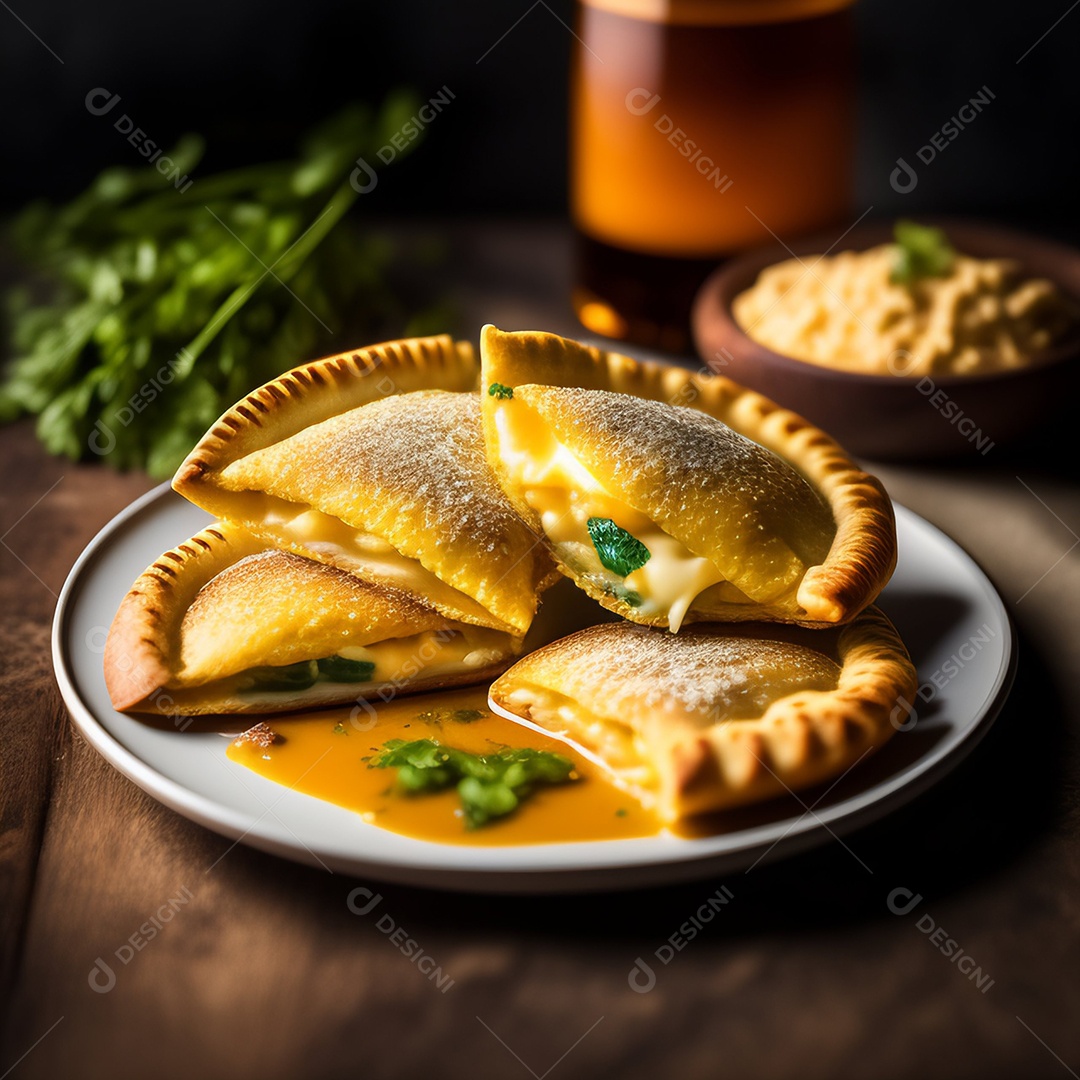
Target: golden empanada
{"points": [[349, 462], [222, 624], [716, 716], [675, 498]]}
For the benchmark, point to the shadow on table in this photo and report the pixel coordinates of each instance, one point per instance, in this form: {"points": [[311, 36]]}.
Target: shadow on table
{"points": [[967, 830]]}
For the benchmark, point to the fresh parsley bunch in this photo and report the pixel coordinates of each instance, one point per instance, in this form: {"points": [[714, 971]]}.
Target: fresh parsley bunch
{"points": [[151, 310]]}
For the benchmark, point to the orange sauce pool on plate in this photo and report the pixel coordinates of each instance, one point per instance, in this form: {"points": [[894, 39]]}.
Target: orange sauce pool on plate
{"points": [[322, 754]]}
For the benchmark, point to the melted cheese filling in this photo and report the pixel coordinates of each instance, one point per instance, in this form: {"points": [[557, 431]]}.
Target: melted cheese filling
{"points": [[639, 757], [331, 540], [616, 747], [434, 652], [565, 495]]}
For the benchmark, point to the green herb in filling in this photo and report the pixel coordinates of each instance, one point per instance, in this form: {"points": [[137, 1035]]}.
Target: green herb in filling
{"points": [[304, 675], [619, 551], [627, 596], [922, 251], [497, 390], [286, 677], [490, 786], [338, 669]]}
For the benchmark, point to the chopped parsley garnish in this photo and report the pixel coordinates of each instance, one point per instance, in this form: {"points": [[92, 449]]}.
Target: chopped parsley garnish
{"points": [[619, 551], [922, 251], [455, 716], [490, 786], [467, 716], [339, 729], [497, 390]]}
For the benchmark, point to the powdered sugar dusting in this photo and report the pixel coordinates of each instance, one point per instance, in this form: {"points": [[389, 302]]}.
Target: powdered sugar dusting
{"points": [[301, 592], [415, 457], [722, 673], [275, 607], [687, 456]]}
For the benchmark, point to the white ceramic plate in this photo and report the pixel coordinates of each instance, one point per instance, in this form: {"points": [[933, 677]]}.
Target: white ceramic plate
{"points": [[952, 619]]}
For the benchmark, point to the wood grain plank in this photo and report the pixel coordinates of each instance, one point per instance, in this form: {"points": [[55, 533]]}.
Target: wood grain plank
{"points": [[264, 971], [48, 510]]}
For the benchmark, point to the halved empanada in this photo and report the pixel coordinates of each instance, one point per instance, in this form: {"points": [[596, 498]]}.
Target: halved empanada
{"points": [[717, 716], [222, 624], [389, 484], [672, 497]]}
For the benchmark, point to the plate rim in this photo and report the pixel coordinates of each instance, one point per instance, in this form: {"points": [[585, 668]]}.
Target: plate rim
{"points": [[683, 860]]}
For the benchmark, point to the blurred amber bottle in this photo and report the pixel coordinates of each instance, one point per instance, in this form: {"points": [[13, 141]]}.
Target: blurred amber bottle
{"points": [[698, 129]]}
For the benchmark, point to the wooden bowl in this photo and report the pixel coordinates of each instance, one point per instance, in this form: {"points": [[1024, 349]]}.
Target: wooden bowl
{"points": [[896, 416]]}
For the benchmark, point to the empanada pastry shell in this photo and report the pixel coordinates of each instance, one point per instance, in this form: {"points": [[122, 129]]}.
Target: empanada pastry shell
{"points": [[667, 694], [385, 442], [221, 604], [862, 554]]}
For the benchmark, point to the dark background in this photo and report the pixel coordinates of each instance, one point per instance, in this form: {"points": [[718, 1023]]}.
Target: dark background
{"points": [[252, 77]]}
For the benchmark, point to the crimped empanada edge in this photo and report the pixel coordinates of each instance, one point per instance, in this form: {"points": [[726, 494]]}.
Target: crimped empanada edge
{"points": [[315, 391], [863, 552], [801, 739], [138, 658], [805, 738]]}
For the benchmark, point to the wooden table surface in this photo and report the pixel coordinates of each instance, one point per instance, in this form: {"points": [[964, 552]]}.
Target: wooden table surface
{"points": [[265, 972]]}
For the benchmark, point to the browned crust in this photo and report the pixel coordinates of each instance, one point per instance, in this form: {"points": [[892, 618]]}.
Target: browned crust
{"points": [[863, 553], [806, 739], [801, 740], [287, 404], [137, 652]]}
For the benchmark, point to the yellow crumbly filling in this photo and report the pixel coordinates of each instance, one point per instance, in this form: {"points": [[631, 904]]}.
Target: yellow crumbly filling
{"points": [[843, 311]]}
